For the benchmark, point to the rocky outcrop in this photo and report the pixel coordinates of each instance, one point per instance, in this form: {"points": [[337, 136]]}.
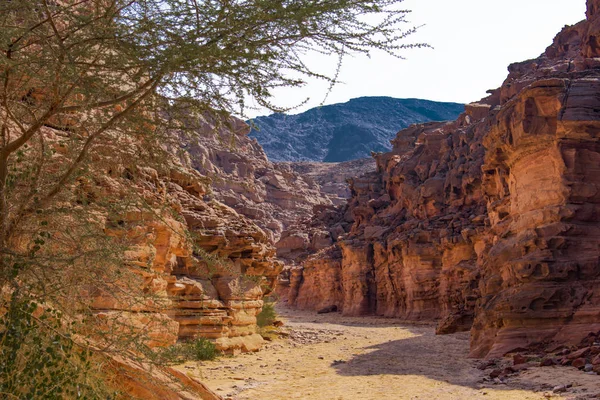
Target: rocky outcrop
{"points": [[541, 273], [272, 195], [150, 382], [332, 177], [346, 131], [490, 222], [411, 248], [196, 267]]}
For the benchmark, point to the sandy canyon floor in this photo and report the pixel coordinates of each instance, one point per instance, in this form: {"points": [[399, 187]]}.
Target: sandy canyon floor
{"points": [[330, 357]]}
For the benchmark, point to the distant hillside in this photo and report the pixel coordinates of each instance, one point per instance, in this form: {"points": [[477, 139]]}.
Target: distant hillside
{"points": [[346, 131]]}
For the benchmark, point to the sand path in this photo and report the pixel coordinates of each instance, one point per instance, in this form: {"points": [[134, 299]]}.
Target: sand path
{"points": [[330, 357]]}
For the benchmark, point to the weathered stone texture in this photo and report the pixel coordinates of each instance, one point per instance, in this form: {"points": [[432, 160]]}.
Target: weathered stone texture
{"points": [[272, 195], [489, 223], [198, 268]]}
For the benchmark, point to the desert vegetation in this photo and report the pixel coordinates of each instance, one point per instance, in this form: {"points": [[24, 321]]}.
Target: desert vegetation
{"points": [[95, 98]]}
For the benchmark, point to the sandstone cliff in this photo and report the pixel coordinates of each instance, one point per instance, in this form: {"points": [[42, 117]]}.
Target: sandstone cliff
{"points": [[490, 222], [179, 265], [332, 177], [204, 267], [272, 195]]}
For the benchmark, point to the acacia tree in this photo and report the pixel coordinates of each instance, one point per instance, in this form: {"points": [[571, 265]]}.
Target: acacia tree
{"points": [[105, 58], [94, 70]]}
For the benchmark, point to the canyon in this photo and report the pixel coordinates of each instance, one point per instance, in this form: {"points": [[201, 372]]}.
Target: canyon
{"points": [[488, 224]]}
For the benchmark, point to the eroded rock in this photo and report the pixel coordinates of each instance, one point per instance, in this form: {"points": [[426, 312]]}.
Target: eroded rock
{"points": [[490, 222]]}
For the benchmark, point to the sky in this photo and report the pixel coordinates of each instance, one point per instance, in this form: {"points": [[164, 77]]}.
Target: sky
{"points": [[473, 42]]}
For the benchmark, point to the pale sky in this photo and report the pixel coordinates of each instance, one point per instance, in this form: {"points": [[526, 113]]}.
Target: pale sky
{"points": [[474, 42]]}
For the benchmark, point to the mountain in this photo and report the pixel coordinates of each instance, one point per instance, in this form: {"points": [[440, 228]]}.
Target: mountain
{"points": [[345, 131]]}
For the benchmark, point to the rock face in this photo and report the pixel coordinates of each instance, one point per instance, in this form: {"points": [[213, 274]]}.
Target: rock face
{"points": [[490, 222], [272, 195], [332, 177], [344, 132], [541, 274], [410, 251], [197, 268]]}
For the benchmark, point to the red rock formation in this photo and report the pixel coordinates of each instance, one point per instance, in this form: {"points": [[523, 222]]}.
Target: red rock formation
{"points": [[332, 177], [209, 270], [150, 382], [541, 272], [196, 268], [411, 248], [272, 195], [491, 222]]}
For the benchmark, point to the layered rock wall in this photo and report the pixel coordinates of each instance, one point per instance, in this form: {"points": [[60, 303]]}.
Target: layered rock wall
{"points": [[541, 270], [272, 195], [489, 223], [411, 250], [196, 267]]}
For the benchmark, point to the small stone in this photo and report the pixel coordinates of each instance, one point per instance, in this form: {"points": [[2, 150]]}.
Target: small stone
{"points": [[579, 363], [579, 353], [523, 367], [519, 359], [559, 389], [547, 362], [588, 367], [321, 358], [495, 373]]}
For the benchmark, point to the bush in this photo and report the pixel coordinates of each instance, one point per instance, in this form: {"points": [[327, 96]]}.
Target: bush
{"points": [[267, 316], [200, 349], [39, 360]]}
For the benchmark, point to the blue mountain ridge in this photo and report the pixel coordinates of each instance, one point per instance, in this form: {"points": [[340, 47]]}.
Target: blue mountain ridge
{"points": [[345, 131]]}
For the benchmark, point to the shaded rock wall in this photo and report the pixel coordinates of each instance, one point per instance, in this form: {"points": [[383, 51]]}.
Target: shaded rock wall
{"points": [[272, 195], [197, 268], [489, 223]]}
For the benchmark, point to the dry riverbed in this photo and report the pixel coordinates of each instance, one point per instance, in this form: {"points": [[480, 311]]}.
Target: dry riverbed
{"points": [[330, 357]]}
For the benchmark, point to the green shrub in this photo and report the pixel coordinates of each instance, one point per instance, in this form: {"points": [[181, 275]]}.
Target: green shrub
{"points": [[200, 349], [40, 360], [267, 316]]}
